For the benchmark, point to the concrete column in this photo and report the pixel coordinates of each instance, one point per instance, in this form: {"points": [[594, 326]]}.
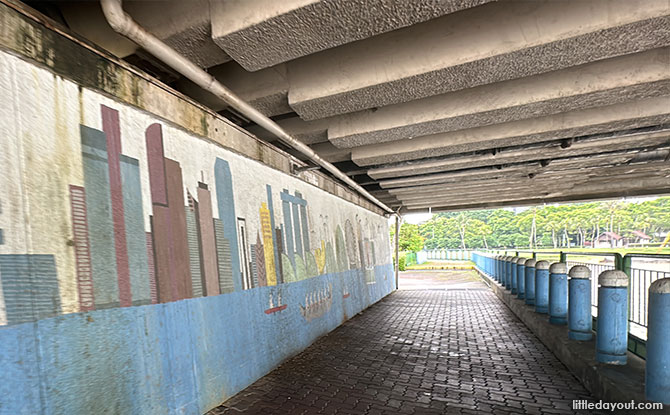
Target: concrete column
{"points": [[529, 285], [520, 278], [558, 293], [657, 377], [397, 249], [612, 333], [513, 272], [579, 304], [542, 287]]}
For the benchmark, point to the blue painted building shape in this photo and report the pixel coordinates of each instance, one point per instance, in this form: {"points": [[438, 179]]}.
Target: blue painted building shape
{"points": [[101, 225], [297, 236], [226, 204]]}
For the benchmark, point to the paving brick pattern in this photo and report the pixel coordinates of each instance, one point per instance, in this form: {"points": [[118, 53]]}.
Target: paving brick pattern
{"points": [[419, 352]]}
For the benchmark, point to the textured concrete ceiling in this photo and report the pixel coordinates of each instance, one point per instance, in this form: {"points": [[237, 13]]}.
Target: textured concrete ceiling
{"points": [[441, 104]]}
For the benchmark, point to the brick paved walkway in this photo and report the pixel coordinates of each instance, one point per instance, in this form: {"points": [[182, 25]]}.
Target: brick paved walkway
{"points": [[419, 352]]}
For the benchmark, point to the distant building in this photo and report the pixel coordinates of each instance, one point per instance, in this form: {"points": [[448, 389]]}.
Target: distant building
{"points": [[639, 238], [609, 240]]}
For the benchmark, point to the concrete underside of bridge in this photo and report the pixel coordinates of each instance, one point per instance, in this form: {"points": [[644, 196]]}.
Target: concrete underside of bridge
{"points": [[518, 102]]}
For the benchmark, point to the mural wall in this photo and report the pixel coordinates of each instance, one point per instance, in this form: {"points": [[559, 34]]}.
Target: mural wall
{"points": [[146, 270]]}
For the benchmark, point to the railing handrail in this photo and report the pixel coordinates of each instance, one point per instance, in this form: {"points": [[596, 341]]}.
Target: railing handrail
{"points": [[641, 255]]}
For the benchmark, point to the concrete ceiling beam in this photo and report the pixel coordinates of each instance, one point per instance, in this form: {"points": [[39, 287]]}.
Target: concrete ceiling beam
{"points": [[610, 81], [660, 189], [266, 90], [533, 168], [617, 117], [263, 33], [649, 186], [491, 43], [459, 176], [309, 132], [595, 145], [615, 178], [331, 153], [183, 25], [571, 176]]}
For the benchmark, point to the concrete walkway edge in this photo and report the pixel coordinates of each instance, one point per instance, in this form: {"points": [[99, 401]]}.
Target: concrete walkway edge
{"points": [[606, 382]]}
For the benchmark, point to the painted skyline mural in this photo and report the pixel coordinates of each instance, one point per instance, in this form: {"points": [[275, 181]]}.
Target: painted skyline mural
{"points": [[192, 244]]}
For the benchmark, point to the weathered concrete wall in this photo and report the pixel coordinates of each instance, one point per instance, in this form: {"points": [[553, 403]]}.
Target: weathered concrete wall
{"points": [[145, 268]]}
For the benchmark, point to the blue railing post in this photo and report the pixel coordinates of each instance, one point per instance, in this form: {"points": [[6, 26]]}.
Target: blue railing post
{"points": [[657, 376], [508, 273], [497, 268], [579, 304], [558, 293], [520, 278], [612, 333], [530, 281], [501, 272], [542, 287], [513, 273]]}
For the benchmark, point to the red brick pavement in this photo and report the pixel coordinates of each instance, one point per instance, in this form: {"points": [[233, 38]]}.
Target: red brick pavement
{"points": [[419, 352]]}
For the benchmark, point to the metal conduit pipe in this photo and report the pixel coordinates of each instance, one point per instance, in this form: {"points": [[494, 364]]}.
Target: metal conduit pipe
{"points": [[123, 24]]}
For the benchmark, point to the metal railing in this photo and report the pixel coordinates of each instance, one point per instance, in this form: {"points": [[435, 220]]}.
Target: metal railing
{"points": [[449, 254], [642, 271]]}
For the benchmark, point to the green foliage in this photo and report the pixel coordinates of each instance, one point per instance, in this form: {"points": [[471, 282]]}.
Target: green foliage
{"points": [[410, 258], [551, 226], [402, 266], [410, 238]]}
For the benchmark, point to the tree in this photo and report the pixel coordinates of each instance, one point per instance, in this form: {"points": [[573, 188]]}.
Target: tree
{"points": [[549, 225], [462, 221], [410, 238]]}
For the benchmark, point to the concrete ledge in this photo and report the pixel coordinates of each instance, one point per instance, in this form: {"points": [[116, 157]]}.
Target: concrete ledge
{"points": [[606, 382]]}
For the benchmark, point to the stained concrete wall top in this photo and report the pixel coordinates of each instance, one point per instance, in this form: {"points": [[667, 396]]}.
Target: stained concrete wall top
{"points": [[262, 33]]}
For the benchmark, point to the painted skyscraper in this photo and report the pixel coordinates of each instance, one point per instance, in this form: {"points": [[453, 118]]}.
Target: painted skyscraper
{"points": [[209, 266], [268, 245], [170, 240], [226, 204], [101, 224], [294, 231], [193, 234], [24, 299], [138, 261], [277, 251], [226, 284]]}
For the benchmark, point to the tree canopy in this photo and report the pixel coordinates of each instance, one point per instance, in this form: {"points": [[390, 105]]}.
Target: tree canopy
{"points": [[549, 226]]}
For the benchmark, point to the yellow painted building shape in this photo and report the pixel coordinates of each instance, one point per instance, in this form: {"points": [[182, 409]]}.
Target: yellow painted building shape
{"points": [[268, 246]]}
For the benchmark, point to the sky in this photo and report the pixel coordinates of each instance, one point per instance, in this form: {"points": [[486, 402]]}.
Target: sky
{"points": [[418, 218]]}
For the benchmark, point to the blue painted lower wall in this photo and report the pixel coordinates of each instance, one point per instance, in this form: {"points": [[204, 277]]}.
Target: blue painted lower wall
{"points": [[183, 357]]}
